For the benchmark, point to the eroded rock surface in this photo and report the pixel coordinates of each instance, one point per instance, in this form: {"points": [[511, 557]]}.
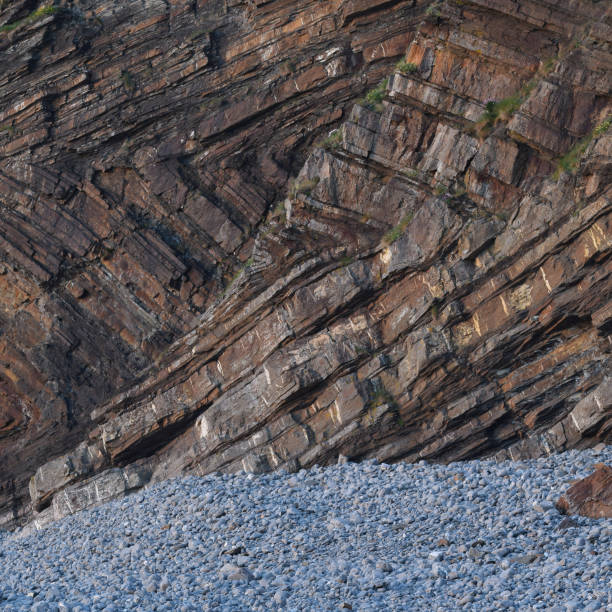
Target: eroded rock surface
{"points": [[427, 286]]}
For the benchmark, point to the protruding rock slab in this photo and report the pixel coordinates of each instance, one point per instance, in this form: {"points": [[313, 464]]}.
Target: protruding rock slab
{"points": [[591, 496]]}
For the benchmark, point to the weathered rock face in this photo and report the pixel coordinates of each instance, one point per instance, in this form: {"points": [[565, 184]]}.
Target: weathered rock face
{"points": [[591, 496], [428, 289]]}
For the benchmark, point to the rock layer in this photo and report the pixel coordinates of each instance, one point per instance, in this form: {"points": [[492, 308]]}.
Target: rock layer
{"points": [[427, 286]]}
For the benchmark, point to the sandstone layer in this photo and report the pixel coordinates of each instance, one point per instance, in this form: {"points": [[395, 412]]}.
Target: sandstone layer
{"points": [[434, 282]]}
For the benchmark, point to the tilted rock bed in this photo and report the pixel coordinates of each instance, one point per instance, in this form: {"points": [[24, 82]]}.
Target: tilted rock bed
{"points": [[475, 535]]}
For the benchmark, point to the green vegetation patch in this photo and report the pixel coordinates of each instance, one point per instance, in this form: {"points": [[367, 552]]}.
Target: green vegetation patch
{"points": [[502, 110], [441, 189], [406, 67], [304, 186], [374, 97], [570, 161], [128, 80], [602, 128], [393, 234], [34, 16], [379, 395], [433, 12], [333, 141], [412, 173], [247, 264]]}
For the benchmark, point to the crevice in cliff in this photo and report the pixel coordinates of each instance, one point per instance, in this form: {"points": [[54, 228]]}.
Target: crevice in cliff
{"points": [[379, 7], [148, 445]]}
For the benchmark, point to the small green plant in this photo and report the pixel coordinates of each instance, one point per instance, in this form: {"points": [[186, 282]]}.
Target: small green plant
{"points": [[569, 162], [247, 264], [128, 80], [406, 67], [333, 141], [508, 106], [602, 128], [34, 16], [433, 12], [211, 103], [378, 396], [43, 11], [304, 186], [393, 234], [441, 189], [277, 215], [502, 110], [374, 97], [547, 65], [411, 173]]}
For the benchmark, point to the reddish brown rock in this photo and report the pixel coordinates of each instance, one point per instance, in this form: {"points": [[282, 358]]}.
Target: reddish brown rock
{"points": [[591, 496]]}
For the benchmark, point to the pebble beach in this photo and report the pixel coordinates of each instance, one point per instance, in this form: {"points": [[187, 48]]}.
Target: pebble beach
{"points": [[475, 535]]}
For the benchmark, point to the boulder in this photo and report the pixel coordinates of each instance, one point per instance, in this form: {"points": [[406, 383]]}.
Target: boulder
{"points": [[591, 496]]}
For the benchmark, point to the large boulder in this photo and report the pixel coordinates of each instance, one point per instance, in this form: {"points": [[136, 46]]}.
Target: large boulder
{"points": [[591, 496]]}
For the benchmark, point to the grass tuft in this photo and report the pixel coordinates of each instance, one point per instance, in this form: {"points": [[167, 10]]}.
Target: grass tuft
{"points": [[602, 128], [441, 189], [34, 16], [374, 97], [333, 141], [570, 161], [393, 234], [128, 80], [433, 12], [502, 110], [304, 186], [406, 67]]}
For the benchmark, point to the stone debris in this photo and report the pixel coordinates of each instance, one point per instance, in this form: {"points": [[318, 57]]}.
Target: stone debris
{"points": [[238, 543]]}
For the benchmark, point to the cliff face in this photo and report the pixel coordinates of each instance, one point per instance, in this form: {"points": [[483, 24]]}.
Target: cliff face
{"points": [[435, 282]]}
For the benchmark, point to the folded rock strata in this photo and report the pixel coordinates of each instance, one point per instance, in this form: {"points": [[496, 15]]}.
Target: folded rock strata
{"points": [[427, 286]]}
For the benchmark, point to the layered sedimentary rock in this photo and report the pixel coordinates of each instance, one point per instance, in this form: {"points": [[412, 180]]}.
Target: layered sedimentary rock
{"points": [[434, 282], [141, 145]]}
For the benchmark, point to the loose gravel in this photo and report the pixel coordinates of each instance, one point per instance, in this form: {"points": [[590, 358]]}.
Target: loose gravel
{"points": [[475, 535]]}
